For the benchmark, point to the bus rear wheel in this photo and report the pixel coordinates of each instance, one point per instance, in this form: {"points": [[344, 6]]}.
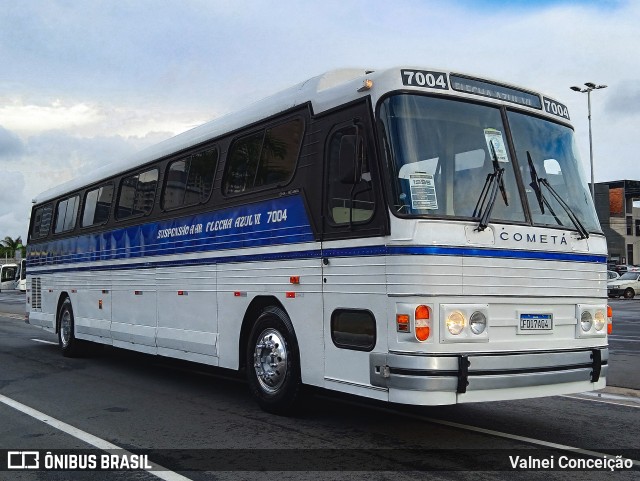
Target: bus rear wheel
{"points": [[70, 346], [273, 365]]}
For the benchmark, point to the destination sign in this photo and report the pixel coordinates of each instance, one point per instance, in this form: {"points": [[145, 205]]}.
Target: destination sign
{"points": [[500, 92]]}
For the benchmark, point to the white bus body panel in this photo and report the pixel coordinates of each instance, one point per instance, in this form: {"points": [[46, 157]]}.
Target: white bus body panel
{"points": [[187, 309]]}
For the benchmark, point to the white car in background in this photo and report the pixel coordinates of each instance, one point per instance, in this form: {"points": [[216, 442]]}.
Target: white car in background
{"points": [[627, 285]]}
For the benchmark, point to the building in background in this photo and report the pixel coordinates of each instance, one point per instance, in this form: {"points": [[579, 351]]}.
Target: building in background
{"points": [[619, 219]]}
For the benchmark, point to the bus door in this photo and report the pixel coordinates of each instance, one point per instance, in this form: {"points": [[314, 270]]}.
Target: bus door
{"points": [[354, 222]]}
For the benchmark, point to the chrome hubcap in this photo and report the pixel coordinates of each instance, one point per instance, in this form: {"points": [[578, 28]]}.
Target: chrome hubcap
{"points": [[270, 360], [65, 328]]}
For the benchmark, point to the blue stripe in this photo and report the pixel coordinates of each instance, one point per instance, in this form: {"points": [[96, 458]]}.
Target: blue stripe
{"points": [[498, 253], [274, 222], [367, 251]]}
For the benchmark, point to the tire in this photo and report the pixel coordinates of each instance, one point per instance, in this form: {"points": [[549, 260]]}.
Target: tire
{"points": [[69, 345], [629, 293], [273, 362]]}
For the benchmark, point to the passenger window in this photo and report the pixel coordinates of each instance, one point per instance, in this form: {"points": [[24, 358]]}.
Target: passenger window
{"points": [[137, 194], [189, 181], [66, 214], [97, 204], [42, 221], [350, 193], [264, 158], [353, 329]]}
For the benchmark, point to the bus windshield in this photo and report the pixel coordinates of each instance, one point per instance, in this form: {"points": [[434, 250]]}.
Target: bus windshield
{"points": [[442, 155], [553, 156]]}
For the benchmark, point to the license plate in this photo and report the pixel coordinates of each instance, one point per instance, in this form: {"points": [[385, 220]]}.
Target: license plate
{"points": [[535, 323]]}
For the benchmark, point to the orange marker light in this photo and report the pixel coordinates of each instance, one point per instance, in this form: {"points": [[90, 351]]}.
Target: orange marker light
{"points": [[423, 323], [402, 322], [609, 320], [294, 279]]}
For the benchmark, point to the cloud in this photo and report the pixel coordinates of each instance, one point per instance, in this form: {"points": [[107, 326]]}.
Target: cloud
{"points": [[35, 118], [625, 99], [10, 144], [11, 188]]}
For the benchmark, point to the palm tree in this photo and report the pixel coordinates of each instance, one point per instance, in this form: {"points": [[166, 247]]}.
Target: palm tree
{"points": [[10, 246]]}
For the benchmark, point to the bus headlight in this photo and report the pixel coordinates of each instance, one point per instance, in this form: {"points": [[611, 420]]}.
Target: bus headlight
{"points": [[600, 320], [478, 322], [455, 322], [586, 320], [592, 321], [464, 323]]}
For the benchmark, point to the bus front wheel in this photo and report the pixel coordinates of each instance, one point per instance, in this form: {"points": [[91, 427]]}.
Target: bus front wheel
{"points": [[70, 346], [273, 362]]}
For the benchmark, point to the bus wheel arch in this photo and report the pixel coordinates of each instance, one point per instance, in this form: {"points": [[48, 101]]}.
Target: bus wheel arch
{"points": [[272, 361], [63, 297], [65, 327], [256, 307]]}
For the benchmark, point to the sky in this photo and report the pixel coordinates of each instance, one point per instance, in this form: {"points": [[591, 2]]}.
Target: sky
{"points": [[86, 83]]}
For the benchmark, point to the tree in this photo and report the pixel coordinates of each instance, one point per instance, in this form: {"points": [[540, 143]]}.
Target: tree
{"points": [[10, 246]]}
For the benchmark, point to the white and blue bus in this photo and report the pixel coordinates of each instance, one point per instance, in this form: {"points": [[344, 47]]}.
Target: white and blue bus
{"points": [[410, 235]]}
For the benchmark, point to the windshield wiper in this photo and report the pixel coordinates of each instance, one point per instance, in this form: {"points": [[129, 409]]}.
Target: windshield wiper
{"points": [[490, 191], [535, 185], [536, 182]]}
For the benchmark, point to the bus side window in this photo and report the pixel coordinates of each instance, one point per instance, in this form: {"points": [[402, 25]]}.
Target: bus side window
{"points": [[97, 203], [349, 193], [137, 194], [66, 214], [42, 221], [264, 158], [189, 181]]}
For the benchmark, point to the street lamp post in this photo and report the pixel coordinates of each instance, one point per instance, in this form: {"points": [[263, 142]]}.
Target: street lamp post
{"points": [[589, 87]]}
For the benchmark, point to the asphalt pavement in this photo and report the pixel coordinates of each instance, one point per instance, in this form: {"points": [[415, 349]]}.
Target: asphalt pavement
{"points": [[199, 423]]}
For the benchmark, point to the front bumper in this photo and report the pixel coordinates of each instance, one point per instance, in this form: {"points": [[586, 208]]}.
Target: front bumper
{"points": [[615, 291], [466, 373]]}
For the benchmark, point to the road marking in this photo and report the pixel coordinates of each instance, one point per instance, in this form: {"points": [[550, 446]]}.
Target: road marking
{"points": [[605, 399], [86, 437], [621, 339], [45, 342], [12, 315], [524, 439], [491, 432]]}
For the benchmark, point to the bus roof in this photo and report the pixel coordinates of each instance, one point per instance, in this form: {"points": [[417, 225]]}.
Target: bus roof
{"points": [[324, 92]]}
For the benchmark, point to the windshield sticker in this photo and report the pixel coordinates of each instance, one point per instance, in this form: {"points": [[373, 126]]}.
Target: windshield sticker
{"points": [[423, 191], [494, 138]]}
